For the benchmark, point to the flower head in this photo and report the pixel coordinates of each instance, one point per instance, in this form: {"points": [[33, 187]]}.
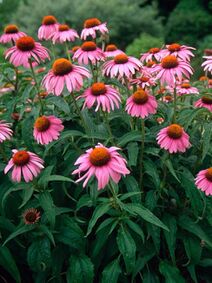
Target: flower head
{"points": [[145, 80], [181, 51], [47, 129], [112, 50], [64, 33], [104, 96], [5, 131], [31, 216], [26, 49], [204, 101], [11, 34], [24, 163], [186, 88], [91, 27], [207, 64], [173, 138], [154, 53], [103, 163], [48, 27], [88, 53], [121, 65], [63, 73], [172, 69], [141, 104], [203, 181]]}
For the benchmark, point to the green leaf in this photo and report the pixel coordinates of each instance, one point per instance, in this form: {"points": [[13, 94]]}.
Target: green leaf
{"points": [[46, 202], [127, 248], [152, 171], [132, 149], [132, 186], [39, 255], [80, 269], [8, 263], [146, 214], [171, 273], [170, 236], [47, 232], [58, 178], [111, 272], [171, 169], [186, 223], [98, 212], [27, 193], [207, 137], [6, 224], [193, 249], [136, 228], [20, 230], [45, 174], [59, 102], [129, 137]]}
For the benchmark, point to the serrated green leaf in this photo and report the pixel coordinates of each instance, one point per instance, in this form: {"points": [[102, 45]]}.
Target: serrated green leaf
{"points": [[20, 230], [8, 263], [127, 248], [46, 202], [80, 269], [129, 137], [111, 272], [171, 273], [170, 236]]}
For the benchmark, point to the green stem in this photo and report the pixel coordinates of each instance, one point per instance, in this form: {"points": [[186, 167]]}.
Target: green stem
{"points": [[142, 153], [93, 72], [108, 126], [175, 105], [3, 152], [68, 54], [53, 50], [36, 86]]}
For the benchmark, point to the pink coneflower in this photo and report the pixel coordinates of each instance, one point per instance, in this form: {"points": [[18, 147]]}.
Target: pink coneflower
{"points": [[149, 67], [48, 27], [160, 120], [167, 98], [26, 49], [203, 181], [141, 104], [181, 51], [171, 69], [5, 131], [64, 33], [74, 49], [31, 216], [92, 26], [173, 138], [153, 54], [112, 51], [145, 80], [88, 53], [24, 163], [103, 163], [207, 64], [47, 129], [102, 95], [186, 88], [121, 65], [63, 73], [6, 88], [205, 102], [11, 34]]}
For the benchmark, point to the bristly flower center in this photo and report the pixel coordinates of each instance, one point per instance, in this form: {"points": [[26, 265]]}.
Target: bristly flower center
{"points": [[63, 28], [174, 47], [93, 22], [111, 47], [140, 97], [21, 158], [62, 67], [206, 100], [175, 131], [25, 43], [88, 46], [208, 174], [11, 29], [42, 124], [169, 62], [98, 89], [121, 59], [49, 20], [99, 156], [185, 85], [154, 50]]}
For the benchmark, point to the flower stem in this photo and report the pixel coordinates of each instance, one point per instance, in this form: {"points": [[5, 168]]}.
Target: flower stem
{"points": [[36, 86], [175, 106], [68, 54], [142, 153], [3, 152], [53, 51], [105, 115]]}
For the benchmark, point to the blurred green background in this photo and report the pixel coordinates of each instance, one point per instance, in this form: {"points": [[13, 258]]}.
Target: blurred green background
{"points": [[135, 25]]}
